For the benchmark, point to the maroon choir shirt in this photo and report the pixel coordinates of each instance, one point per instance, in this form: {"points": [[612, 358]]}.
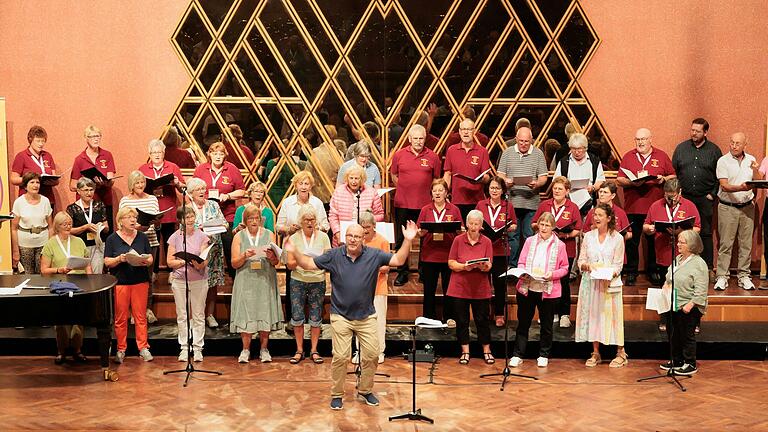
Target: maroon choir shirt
{"points": [[498, 217], [473, 284], [25, 162], [104, 163], [471, 163], [437, 250], [638, 199], [660, 211], [414, 177], [228, 180], [565, 215]]}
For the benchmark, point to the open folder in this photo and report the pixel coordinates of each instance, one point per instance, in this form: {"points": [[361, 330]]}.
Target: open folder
{"points": [[685, 224], [190, 257], [424, 322], [632, 177], [474, 180]]}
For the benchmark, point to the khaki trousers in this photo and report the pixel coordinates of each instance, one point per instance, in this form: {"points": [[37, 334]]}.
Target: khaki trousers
{"points": [[341, 339], [735, 223]]}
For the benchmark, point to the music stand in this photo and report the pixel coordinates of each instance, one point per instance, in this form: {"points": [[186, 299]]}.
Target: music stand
{"points": [[415, 413], [190, 369], [664, 226]]}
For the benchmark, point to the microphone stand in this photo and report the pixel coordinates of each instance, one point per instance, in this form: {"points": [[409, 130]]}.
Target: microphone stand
{"points": [[506, 373], [414, 413], [670, 326], [190, 369]]}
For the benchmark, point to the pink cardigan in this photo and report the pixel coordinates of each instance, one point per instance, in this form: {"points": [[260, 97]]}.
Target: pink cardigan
{"points": [[344, 205], [557, 274]]}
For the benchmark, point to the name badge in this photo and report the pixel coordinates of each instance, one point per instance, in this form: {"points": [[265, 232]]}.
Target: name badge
{"points": [[158, 192], [437, 236], [643, 173], [256, 265], [213, 194], [91, 236]]}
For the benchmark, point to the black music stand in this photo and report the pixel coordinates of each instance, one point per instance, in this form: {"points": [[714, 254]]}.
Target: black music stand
{"points": [[190, 369], [674, 226], [415, 413]]}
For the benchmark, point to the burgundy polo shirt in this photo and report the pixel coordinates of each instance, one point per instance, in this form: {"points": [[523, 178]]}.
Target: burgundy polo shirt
{"points": [[166, 196], [471, 163], [415, 173], [658, 212], [621, 219], [229, 180], [431, 142], [104, 163], [25, 162], [565, 215], [503, 213], [436, 251], [473, 284], [638, 199]]}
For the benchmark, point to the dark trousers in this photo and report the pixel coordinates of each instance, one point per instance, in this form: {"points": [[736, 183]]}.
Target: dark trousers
{"points": [[706, 208], [564, 303], [633, 247], [520, 235], [682, 336], [402, 216], [465, 209], [526, 306], [480, 310], [498, 267], [431, 271]]}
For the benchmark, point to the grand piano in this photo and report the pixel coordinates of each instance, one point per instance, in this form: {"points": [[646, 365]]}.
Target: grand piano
{"points": [[94, 307]]}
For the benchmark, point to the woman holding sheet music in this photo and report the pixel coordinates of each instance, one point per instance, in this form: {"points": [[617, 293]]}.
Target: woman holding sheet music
{"points": [[89, 220], [545, 261], [132, 287], [54, 260], [600, 310], [435, 247], [567, 228], [256, 306], [169, 177], [470, 261], [147, 204], [208, 211], [498, 213]]}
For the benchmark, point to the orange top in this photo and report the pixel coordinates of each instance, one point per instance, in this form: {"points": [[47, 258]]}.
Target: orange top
{"points": [[380, 242]]}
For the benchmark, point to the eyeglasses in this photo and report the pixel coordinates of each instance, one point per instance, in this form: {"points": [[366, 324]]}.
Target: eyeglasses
{"points": [[466, 129], [157, 152], [93, 136], [643, 139]]}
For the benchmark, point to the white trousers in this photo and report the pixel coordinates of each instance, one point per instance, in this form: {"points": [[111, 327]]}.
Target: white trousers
{"points": [[380, 305], [198, 290]]}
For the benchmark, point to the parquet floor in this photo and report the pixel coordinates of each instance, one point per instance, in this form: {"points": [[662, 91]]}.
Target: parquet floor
{"points": [[37, 395]]}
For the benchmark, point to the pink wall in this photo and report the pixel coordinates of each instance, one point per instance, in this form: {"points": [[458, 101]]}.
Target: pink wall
{"points": [[67, 64], [662, 63]]}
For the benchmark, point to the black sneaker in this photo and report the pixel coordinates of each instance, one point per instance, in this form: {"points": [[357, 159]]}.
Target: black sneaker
{"points": [[337, 403], [666, 366], [401, 279], [369, 399], [686, 370], [631, 279]]}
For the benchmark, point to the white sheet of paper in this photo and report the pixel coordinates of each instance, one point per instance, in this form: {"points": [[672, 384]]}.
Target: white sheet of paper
{"points": [[10, 291], [630, 174], [602, 273], [577, 184], [134, 258], [77, 263], [519, 272], [383, 191], [580, 197], [522, 181], [658, 300], [386, 229], [424, 322]]}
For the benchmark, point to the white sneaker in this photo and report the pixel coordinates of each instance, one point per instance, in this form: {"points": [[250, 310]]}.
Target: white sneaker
{"points": [[515, 362], [197, 356], [565, 321], [721, 283], [184, 355], [555, 318], [211, 321], [151, 318], [450, 323], [381, 358], [746, 283], [146, 355], [542, 362], [245, 356], [356, 358], [119, 357], [264, 356]]}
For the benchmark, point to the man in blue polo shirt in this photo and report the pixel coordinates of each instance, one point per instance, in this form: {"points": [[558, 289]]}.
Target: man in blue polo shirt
{"points": [[354, 269]]}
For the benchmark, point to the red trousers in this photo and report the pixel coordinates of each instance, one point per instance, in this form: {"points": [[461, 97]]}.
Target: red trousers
{"points": [[133, 297]]}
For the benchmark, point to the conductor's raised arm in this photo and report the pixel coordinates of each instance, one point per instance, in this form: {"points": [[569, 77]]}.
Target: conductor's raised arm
{"points": [[401, 256]]}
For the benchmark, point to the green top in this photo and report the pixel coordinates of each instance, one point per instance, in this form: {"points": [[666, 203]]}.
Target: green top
{"points": [[52, 250], [691, 282], [266, 213], [320, 244]]}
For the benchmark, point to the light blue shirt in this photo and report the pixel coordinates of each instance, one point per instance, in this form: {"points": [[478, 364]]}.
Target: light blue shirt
{"points": [[371, 172]]}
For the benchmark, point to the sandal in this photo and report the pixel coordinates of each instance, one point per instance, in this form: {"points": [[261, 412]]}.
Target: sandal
{"points": [[316, 358], [489, 358], [59, 359], [621, 360], [464, 359], [79, 358], [297, 358], [594, 360]]}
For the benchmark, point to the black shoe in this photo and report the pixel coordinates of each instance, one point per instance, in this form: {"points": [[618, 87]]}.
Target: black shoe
{"points": [[402, 279], [667, 366], [631, 279], [686, 370]]}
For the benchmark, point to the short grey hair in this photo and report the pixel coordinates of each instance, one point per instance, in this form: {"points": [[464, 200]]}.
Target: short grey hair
{"points": [[475, 214], [195, 183], [306, 210], [578, 140], [85, 182], [366, 217], [693, 240], [156, 144], [361, 148], [417, 128]]}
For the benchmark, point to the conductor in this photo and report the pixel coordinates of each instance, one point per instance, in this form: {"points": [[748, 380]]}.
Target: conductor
{"points": [[354, 269]]}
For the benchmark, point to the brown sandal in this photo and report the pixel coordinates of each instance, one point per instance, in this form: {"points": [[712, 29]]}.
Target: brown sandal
{"points": [[594, 360], [316, 358], [621, 360], [297, 358]]}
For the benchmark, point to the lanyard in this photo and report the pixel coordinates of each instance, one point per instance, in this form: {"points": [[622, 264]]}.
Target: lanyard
{"points": [[67, 250], [643, 162], [258, 237], [557, 213], [38, 160], [671, 215], [215, 179], [158, 173], [89, 217], [495, 216], [441, 216]]}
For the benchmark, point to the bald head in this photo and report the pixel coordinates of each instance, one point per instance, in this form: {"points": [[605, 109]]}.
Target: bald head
{"points": [[467, 132], [354, 239], [524, 139], [738, 143], [643, 141]]}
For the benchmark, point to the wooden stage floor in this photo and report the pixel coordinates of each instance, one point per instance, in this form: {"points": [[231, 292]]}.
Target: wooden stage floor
{"points": [[37, 395]]}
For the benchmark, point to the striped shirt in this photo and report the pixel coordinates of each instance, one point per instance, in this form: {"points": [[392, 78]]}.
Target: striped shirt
{"points": [[516, 164], [147, 204]]}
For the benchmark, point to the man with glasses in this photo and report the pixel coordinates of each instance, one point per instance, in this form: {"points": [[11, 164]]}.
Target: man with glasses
{"points": [[642, 173], [471, 160], [95, 157], [695, 162]]}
